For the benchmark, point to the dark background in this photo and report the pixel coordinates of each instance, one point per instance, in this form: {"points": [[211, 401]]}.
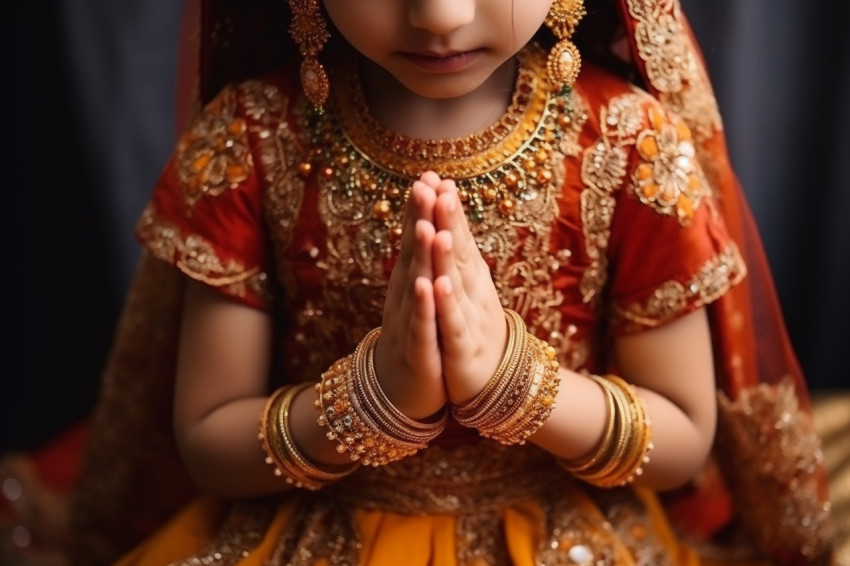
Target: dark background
{"points": [[89, 97]]}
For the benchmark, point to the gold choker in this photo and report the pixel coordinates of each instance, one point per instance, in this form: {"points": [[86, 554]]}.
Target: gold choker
{"points": [[497, 170]]}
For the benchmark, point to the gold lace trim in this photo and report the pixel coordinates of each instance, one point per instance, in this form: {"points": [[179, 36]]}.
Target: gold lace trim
{"points": [[771, 454], [671, 299], [673, 67], [197, 257]]}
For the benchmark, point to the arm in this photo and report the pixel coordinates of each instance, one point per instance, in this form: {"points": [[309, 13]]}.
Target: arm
{"points": [[673, 369], [222, 386]]}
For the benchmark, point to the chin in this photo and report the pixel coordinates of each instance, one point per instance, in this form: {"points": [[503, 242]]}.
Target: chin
{"points": [[444, 89]]}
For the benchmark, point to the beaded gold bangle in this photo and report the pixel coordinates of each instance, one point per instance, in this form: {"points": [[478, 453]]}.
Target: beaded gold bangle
{"points": [[281, 451], [361, 419], [626, 440], [520, 396]]}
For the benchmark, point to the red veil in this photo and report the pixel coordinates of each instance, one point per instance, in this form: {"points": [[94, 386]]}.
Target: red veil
{"points": [[766, 477]]}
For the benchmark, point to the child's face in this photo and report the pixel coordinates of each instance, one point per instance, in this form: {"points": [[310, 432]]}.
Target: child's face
{"points": [[438, 48]]}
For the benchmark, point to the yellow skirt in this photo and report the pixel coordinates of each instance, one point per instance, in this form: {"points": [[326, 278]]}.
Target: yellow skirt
{"points": [[463, 507]]}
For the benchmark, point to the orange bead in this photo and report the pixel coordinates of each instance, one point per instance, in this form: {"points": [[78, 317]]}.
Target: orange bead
{"points": [[648, 146], [305, 168], [381, 210]]}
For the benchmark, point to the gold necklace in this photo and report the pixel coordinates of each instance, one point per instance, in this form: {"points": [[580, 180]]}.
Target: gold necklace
{"points": [[497, 169]]}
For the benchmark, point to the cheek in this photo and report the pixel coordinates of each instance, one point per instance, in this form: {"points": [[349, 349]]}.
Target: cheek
{"points": [[358, 23], [521, 19]]}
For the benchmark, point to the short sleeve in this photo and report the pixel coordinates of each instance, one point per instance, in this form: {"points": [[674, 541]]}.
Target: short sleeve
{"points": [[205, 215], [670, 252]]}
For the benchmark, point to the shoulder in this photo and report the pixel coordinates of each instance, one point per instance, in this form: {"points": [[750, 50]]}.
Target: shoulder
{"points": [[615, 106], [257, 100]]}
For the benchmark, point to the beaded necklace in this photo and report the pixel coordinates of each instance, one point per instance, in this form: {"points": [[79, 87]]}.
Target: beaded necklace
{"points": [[498, 169]]}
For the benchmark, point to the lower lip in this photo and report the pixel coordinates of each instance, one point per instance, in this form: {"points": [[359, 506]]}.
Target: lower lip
{"points": [[450, 64]]}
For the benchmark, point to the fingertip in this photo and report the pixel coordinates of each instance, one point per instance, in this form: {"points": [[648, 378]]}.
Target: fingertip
{"points": [[430, 178], [443, 240], [446, 186], [424, 229], [443, 285]]}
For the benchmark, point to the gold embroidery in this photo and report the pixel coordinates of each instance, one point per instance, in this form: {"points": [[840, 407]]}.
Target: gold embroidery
{"points": [[770, 452], [279, 152], [214, 154], [481, 540], [321, 529], [603, 172], [197, 258], [672, 65], [672, 298], [577, 532], [135, 402], [243, 529], [669, 178], [480, 476]]}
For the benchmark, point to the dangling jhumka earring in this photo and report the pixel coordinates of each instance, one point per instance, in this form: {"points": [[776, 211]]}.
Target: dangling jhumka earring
{"points": [[310, 32], [564, 59]]}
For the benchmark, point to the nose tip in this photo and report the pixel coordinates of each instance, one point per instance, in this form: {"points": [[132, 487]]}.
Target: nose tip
{"points": [[441, 17]]}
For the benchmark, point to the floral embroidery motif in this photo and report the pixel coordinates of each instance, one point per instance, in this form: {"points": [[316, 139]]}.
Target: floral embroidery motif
{"points": [[672, 66], [603, 171], [214, 154], [672, 298], [669, 178]]}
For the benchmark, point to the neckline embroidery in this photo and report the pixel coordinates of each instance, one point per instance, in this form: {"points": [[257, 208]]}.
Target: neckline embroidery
{"points": [[497, 170]]}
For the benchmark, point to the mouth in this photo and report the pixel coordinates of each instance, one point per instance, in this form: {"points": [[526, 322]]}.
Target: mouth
{"points": [[449, 62]]}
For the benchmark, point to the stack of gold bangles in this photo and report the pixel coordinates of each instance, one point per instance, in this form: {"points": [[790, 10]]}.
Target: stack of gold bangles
{"points": [[280, 449], [626, 440], [514, 404], [520, 396], [360, 417]]}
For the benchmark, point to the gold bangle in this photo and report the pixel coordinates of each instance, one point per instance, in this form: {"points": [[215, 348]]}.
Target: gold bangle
{"points": [[376, 404], [468, 413], [538, 401], [604, 445], [280, 448], [520, 395], [347, 423], [620, 456], [312, 477]]}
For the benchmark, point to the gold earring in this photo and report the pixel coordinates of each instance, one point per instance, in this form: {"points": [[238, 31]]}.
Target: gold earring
{"points": [[310, 32], [564, 59]]}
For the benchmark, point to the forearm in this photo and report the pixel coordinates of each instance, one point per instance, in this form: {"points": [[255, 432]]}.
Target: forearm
{"points": [[576, 426], [225, 457]]}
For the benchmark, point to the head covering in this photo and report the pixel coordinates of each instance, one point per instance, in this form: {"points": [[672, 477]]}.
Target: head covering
{"points": [[766, 476]]}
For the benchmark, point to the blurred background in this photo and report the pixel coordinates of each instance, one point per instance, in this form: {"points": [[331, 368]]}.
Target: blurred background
{"points": [[91, 103]]}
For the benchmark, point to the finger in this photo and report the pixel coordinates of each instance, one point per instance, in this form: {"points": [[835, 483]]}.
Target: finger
{"points": [[420, 206], [423, 343], [449, 215], [445, 264], [421, 264], [431, 179], [451, 323]]}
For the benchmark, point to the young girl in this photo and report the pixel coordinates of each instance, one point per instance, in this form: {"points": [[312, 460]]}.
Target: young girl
{"points": [[450, 282]]}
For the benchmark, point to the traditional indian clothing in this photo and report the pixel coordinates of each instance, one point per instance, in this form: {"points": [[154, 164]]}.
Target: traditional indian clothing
{"points": [[605, 209]]}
